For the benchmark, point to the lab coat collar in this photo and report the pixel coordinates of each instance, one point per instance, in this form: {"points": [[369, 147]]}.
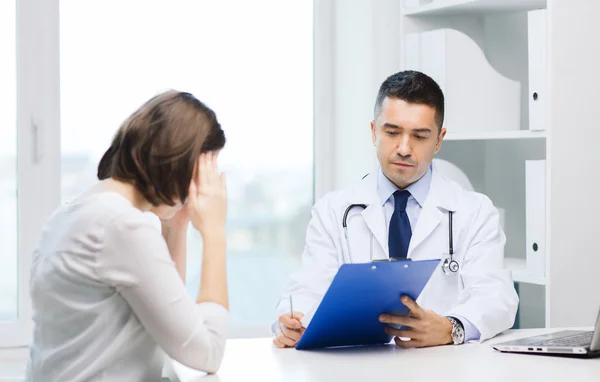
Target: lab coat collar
{"points": [[442, 197]]}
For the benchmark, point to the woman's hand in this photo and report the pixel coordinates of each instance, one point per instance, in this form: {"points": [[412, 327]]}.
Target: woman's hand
{"points": [[207, 197], [207, 206]]}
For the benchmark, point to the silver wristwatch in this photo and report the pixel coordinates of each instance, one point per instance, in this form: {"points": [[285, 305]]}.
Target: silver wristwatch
{"points": [[458, 331]]}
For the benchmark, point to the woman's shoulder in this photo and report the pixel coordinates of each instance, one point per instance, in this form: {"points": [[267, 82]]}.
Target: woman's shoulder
{"points": [[111, 206], [125, 219], [130, 238], [109, 215]]}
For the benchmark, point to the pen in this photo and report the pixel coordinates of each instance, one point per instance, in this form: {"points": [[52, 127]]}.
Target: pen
{"points": [[291, 307]]}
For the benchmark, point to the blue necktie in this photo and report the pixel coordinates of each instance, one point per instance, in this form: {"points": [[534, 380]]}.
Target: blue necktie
{"points": [[400, 233]]}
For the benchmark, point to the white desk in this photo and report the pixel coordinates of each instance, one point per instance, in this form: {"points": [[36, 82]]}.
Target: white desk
{"points": [[257, 360]]}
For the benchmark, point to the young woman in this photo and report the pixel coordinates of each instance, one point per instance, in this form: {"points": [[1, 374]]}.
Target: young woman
{"points": [[107, 288]]}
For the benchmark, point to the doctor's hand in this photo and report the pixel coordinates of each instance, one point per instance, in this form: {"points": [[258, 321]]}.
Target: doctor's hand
{"points": [[288, 330], [426, 328]]}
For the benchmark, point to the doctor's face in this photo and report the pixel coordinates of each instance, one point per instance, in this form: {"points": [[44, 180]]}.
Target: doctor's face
{"points": [[406, 138]]}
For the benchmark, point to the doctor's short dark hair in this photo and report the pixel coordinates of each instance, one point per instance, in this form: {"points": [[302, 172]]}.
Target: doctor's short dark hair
{"points": [[413, 87], [157, 147]]}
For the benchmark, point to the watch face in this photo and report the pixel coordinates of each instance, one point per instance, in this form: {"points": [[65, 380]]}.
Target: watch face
{"points": [[458, 333]]}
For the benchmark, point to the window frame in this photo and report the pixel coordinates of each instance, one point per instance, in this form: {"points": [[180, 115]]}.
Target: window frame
{"points": [[38, 145]]}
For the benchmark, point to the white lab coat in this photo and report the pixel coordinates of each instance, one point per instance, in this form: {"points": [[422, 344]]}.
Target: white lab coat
{"points": [[482, 291]]}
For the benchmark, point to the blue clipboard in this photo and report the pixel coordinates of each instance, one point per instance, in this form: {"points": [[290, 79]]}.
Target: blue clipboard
{"points": [[349, 313]]}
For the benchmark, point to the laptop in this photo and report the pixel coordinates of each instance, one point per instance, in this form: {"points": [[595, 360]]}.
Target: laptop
{"points": [[572, 343]]}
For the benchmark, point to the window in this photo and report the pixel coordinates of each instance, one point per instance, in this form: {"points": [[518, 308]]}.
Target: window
{"points": [[8, 165], [253, 66], [28, 152]]}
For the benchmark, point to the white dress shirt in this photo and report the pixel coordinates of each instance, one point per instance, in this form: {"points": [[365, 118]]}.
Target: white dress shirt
{"points": [[107, 299]]}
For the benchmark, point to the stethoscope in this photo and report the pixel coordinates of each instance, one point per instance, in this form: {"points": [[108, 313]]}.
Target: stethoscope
{"points": [[449, 266]]}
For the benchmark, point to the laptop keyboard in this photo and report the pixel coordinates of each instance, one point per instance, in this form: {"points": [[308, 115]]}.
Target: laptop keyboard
{"points": [[583, 339]]}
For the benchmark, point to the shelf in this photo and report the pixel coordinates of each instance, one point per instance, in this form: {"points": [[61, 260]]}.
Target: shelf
{"points": [[520, 273], [453, 7], [494, 135]]}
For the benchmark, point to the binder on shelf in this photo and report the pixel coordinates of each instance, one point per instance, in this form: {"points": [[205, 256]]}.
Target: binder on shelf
{"points": [[538, 95], [477, 97], [535, 215]]}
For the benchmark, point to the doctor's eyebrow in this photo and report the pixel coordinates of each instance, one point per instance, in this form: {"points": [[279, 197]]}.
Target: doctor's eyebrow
{"points": [[421, 130]]}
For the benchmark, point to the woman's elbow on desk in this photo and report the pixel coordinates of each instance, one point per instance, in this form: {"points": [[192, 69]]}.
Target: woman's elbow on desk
{"points": [[212, 357], [204, 353], [204, 349]]}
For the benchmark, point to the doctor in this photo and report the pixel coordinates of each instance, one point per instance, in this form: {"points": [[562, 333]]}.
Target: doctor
{"points": [[409, 210]]}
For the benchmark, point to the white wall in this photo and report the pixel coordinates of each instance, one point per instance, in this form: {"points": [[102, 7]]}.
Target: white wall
{"points": [[574, 209], [356, 48]]}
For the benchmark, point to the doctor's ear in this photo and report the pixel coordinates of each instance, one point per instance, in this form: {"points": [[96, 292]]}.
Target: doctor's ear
{"points": [[440, 138], [373, 133]]}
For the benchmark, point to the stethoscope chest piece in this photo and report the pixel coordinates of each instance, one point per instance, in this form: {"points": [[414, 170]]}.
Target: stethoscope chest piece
{"points": [[450, 266]]}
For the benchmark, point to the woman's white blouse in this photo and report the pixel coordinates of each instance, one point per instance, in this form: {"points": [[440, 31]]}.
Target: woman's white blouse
{"points": [[107, 299]]}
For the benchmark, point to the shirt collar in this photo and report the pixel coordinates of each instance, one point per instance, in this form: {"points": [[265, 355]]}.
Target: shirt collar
{"points": [[418, 190]]}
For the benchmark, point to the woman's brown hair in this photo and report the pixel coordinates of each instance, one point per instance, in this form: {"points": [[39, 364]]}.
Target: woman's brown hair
{"points": [[156, 148]]}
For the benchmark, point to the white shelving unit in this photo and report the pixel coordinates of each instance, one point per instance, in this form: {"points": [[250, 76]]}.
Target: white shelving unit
{"points": [[494, 135], [551, 48], [520, 272], [458, 7], [493, 159]]}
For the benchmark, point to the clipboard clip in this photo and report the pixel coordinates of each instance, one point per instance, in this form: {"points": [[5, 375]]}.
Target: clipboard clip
{"points": [[389, 260]]}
